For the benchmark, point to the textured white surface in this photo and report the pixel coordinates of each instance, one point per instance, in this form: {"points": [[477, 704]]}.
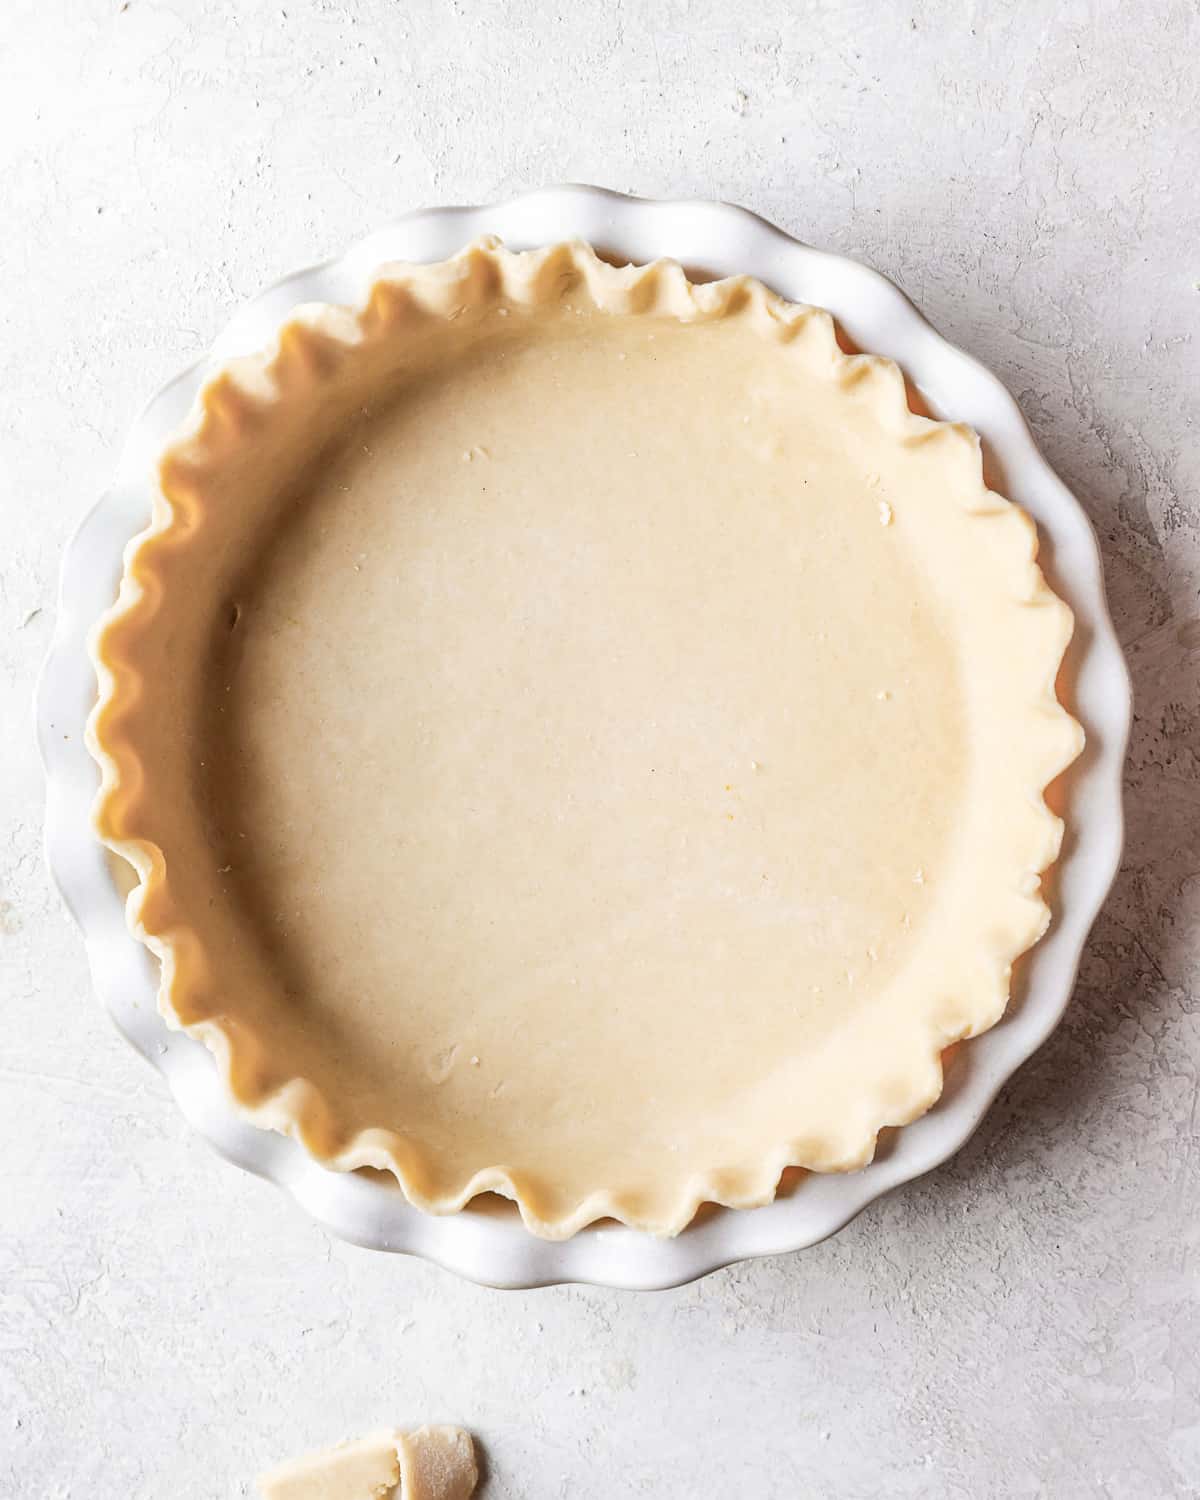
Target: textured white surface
{"points": [[1023, 1322]]}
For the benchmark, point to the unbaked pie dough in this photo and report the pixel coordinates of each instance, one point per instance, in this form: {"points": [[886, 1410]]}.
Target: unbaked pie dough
{"points": [[580, 734], [432, 1463]]}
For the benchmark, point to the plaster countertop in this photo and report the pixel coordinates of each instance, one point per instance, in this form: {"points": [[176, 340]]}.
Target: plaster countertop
{"points": [[1023, 1322]]}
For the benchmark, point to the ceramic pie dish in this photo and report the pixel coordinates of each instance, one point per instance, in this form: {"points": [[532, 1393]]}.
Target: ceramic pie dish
{"points": [[728, 379]]}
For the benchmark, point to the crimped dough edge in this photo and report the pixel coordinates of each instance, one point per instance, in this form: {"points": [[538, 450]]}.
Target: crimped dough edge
{"points": [[307, 351]]}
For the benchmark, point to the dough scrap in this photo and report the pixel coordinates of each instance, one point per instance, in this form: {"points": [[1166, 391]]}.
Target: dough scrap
{"points": [[432, 1463]]}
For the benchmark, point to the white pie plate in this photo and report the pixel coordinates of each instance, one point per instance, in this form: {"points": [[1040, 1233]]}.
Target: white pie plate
{"points": [[488, 1242]]}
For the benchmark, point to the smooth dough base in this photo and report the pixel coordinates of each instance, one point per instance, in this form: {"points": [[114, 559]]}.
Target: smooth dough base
{"points": [[575, 839], [611, 769]]}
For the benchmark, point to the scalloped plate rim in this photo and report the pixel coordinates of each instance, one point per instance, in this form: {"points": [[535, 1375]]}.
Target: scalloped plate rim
{"points": [[495, 1249]]}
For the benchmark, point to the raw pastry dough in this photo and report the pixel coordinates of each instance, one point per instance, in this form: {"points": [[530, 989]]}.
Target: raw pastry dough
{"points": [[581, 735], [432, 1463]]}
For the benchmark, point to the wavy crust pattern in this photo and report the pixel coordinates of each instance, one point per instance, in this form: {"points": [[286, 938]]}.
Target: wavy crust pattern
{"points": [[245, 398]]}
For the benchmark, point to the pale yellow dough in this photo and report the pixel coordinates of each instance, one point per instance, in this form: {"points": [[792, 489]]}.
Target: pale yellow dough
{"points": [[432, 1463], [580, 735]]}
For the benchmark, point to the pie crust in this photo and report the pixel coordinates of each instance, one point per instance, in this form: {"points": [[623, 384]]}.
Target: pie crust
{"points": [[579, 734]]}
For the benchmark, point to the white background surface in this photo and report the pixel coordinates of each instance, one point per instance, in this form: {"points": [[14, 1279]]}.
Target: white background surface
{"points": [[1026, 1321]]}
